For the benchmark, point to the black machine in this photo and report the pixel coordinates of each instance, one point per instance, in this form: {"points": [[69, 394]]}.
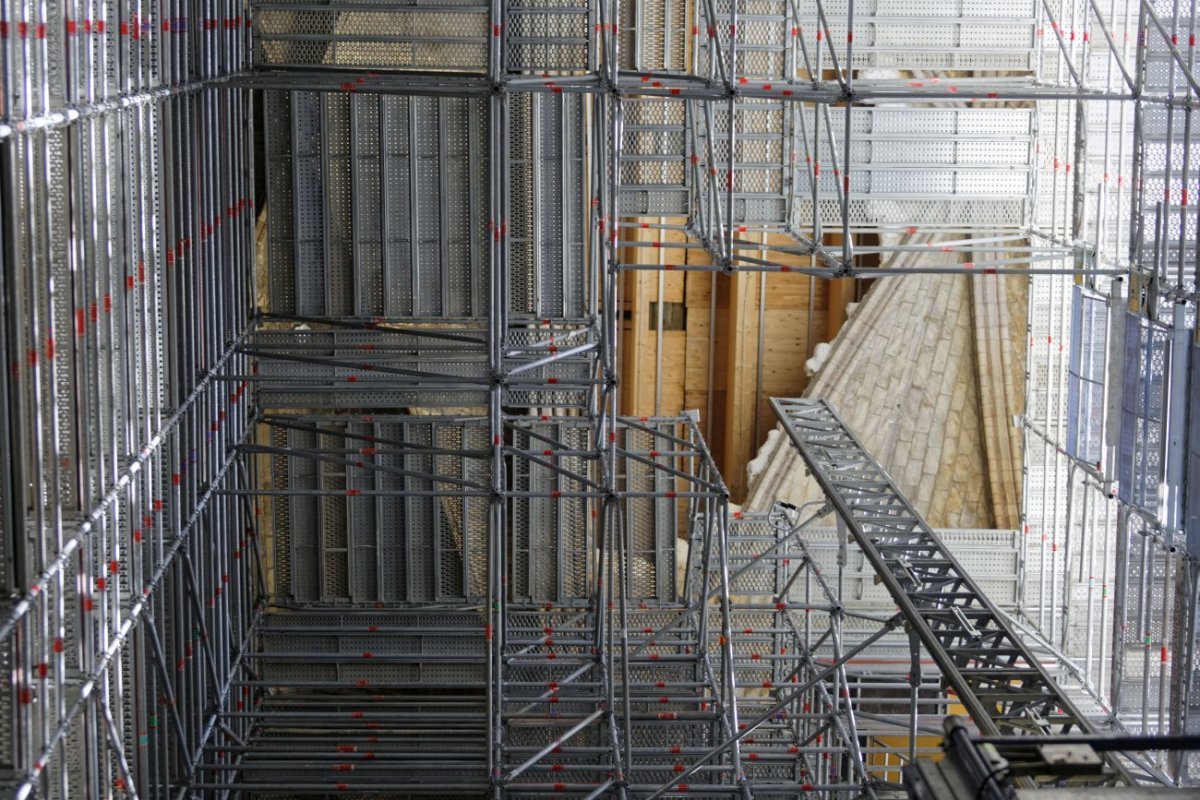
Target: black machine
{"points": [[1035, 767]]}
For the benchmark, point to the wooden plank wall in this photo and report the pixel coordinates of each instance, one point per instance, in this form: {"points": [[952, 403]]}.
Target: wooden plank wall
{"points": [[734, 367]]}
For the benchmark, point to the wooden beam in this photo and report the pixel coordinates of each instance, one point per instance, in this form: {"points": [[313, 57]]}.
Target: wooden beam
{"points": [[740, 293]]}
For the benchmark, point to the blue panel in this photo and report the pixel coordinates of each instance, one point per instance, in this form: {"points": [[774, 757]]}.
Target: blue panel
{"points": [[1085, 377], [1191, 498], [1140, 464]]}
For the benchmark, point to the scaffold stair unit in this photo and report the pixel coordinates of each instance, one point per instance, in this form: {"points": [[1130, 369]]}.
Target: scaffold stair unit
{"points": [[990, 668]]}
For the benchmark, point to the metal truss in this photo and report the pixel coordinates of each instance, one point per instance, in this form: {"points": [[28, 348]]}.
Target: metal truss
{"points": [[995, 676]]}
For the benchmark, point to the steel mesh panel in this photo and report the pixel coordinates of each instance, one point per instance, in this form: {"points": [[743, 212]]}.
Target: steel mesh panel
{"points": [[383, 220], [545, 188], [887, 35], [549, 36], [1143, 630], [1147, 355], [870, 214], [450, 555], [358, 368], [549, 533], [893, 166], [1192, 522], [383, 528], [399, 36], [654, 179], [1168, 225], [654, 37], [1086, 375]]}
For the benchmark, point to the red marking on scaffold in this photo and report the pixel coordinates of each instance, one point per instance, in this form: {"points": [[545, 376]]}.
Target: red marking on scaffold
{"points": [[1163, 654], [353, 492], [99, 26], [343, 787]]}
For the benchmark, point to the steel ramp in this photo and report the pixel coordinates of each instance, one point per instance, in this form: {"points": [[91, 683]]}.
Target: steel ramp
{"points": [[999, 681]]}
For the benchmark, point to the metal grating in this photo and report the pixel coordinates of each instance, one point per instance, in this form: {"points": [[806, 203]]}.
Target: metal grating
{"points": [[382, 222], [918, 166], [1192, 503], [372, 36], [1086, 377], [1147, 365]]}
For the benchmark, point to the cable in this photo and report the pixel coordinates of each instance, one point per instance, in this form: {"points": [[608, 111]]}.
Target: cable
{"points": [[991, 776]]}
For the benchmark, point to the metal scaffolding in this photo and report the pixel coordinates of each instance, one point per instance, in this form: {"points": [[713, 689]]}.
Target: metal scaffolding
{"points": [[365, 518]]}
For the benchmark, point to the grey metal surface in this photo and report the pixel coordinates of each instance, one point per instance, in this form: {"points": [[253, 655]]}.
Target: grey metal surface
{"points": [[1086, 376], [1192, 524], [1144, 397], [923, 166]]}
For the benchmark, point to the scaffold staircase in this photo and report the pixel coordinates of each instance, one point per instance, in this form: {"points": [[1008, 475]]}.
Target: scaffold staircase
{"points": [[993, 672]]}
